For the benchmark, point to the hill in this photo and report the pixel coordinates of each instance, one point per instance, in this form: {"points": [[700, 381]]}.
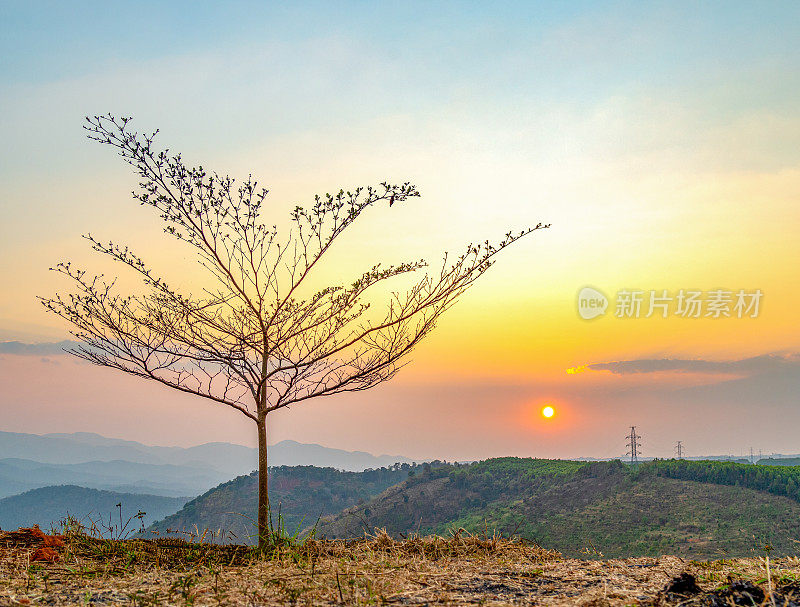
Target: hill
{"points": [[292, 453], [18, 475], [48, 505], [300, 494], [692, 509], [779, 461], [229, 458], [29, 461]]}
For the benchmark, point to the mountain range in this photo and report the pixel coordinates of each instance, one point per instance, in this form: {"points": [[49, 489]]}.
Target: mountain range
{"points": [[29, 461], [19, 475]]}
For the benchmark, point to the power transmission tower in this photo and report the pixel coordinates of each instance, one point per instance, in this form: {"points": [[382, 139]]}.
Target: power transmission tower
{"points": [[752, 461], [633, 446], [679, 449]]}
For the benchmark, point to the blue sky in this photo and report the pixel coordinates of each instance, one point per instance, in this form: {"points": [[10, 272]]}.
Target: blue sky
{"points": [[322, 65], [50, 40]]}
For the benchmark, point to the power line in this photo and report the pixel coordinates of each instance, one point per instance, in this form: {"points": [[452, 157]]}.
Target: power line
{"points": [[633, 446]]}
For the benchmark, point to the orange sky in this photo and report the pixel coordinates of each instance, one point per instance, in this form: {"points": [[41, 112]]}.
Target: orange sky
{"points": [[663, 152]]}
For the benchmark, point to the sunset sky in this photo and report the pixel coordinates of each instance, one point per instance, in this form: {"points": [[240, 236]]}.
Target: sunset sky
{"points": [[661, 141]]}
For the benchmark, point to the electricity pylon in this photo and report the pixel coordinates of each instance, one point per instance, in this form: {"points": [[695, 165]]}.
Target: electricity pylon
{"points": [[679, 449], [633, 445]]}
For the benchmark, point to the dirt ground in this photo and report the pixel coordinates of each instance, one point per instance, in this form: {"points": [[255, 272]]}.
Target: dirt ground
{"points": [[373, 571]]}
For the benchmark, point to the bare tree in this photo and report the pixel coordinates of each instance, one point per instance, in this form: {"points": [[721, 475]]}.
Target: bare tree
{"points": [[261, 336]]}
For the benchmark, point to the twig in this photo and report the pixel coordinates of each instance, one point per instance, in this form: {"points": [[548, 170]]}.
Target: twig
{"points": [[339, 586]]}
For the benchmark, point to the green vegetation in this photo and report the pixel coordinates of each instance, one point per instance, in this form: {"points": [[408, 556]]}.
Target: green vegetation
{"points": [[777, 480], [689, 508], [299, 496]]}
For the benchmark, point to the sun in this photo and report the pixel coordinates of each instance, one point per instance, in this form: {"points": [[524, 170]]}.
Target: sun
{"points": [[548, 411]]}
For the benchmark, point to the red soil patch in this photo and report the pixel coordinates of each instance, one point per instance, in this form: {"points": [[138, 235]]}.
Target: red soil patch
{"points": [[43, 545]]}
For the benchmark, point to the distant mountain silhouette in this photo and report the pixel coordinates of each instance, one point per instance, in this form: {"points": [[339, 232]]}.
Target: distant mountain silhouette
{"points": [[29, 461], [18, 475]]}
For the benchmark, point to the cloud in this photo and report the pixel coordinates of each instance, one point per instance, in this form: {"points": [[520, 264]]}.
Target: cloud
{"points": [[40, 349], [756, 365]]}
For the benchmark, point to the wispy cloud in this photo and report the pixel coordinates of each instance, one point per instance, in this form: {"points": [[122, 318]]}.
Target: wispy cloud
{"points": [[756, 365], [40, 349]]}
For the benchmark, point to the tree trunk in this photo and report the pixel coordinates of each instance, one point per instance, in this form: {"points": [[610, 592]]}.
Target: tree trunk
{"points": [[263, 495]]}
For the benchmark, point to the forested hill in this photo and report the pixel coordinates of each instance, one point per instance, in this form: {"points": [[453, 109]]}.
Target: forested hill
{"points": [[780, 479], [298, 494], [689, 508], [48, 506]]}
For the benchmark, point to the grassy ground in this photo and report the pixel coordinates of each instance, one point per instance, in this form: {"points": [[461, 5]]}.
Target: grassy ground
{"points": [[377, 570]]}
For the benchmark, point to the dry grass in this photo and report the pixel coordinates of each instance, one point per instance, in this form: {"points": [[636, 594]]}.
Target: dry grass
{"points": [[376, 570]]}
